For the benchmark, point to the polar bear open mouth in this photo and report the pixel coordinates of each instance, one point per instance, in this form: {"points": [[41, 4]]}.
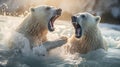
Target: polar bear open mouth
{"points": [[51, 23], [53, 18], [78, 30], [77, 26]]}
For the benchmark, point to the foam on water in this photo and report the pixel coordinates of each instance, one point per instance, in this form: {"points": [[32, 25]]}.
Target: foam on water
{"points": [[31, 58]]}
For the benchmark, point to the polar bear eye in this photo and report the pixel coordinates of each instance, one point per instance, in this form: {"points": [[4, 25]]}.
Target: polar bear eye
{"points": [[32, 9], [48, 8], [83, 16]]}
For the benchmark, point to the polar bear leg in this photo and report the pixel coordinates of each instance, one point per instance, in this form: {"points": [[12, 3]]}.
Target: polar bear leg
{"points": [[53, 44]]}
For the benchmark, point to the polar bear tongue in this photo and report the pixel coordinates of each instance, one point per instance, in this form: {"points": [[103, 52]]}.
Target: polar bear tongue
{"points": [[51, 22], [78, 31]]}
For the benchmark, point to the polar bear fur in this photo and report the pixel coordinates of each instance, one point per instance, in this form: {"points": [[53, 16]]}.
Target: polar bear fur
{"points": [[87, 35], [36, 25]]}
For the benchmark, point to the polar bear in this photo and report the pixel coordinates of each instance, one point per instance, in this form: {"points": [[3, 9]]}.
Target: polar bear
{"points": [[87, 35], [36, 26]]}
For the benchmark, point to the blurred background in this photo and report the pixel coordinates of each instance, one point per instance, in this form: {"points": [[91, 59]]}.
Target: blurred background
{"points": [[109, 10]]}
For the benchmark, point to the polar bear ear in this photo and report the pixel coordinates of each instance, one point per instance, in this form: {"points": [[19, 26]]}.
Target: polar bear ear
{"points": [[32, 9], [97, 18]]}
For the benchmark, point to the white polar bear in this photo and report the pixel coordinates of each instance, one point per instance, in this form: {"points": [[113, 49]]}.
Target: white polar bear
{"points": [[35, 28], [87, 35]]}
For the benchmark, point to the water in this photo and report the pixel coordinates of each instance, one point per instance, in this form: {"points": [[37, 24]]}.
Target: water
{"points": [[97, 58]]}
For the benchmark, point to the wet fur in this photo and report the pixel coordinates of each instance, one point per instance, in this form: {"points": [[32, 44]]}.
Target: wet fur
{"points": [[33, 30], [88, 42]]}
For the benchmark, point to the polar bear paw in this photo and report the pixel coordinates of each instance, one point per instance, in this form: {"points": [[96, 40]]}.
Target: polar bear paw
{"points": [[64, 38]]}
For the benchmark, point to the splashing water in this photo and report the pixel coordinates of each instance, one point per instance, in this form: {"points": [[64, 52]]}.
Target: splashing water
{"points": [[97, 58]]}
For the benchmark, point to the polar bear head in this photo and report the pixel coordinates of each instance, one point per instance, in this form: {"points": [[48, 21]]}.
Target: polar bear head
{"points": [[46, 15], [84, 23]]}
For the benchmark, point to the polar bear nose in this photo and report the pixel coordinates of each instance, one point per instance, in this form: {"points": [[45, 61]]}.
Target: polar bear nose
{"points": [[59, 11], [74, 19]]}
